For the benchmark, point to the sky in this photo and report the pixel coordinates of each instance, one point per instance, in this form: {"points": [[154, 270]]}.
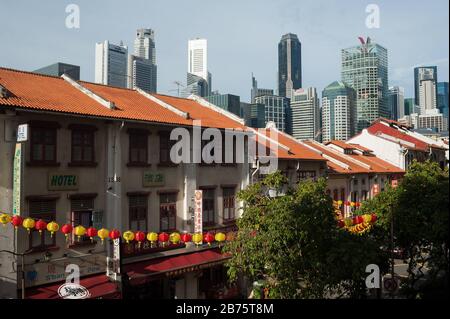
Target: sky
{"points": [[242, 36]]}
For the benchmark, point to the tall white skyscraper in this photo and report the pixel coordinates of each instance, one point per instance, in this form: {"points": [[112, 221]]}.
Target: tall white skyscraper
{"points": [[142, 70], [111, 64], [305, 110], [198, 67], [338, 112], [144, 44], [427, 89]]}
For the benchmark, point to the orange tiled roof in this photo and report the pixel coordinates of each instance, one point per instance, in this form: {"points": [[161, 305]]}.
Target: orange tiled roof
{"points": [[376, 164], [296, 150], [49, 93]]}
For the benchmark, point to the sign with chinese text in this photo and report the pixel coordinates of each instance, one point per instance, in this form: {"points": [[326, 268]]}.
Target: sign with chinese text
{"points": [[17, 179], [113, 260], [22, 133], [62, 181], [198, 211], [394, 183], [152, 179], [375, 189]]}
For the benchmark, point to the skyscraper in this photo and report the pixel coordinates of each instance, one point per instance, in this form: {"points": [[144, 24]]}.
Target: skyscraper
{"points": [[410, 106], [111, 64], [253, 114], [229, 102], [141, 74], [289, 65], [443, 98], [144, 44], [255, 92], [198, 66], [365, 69], [425, 86], [396, 102], [276, 108], [305, 110], [142, 71], [338, 112], [59, 69]]}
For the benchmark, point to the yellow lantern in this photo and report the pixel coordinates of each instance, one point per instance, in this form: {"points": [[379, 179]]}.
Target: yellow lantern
{"points": [[197, 238], [352, 204], [128, 236], [367, 218], [28, 224], [339, 202], [103, 234], [52, 227], [174, 238], [220, 237], [5, 219], [152, 238], [79, 231]]}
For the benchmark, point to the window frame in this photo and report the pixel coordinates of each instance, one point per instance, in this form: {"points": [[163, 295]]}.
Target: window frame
{"points": [[47, 217], [43, 128], [229, 202], [83, 130], [168, 210], [140, 135]]}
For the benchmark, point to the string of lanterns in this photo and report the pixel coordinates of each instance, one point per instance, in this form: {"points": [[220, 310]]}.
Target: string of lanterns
{"points": [[356, 225], [129, 236]]}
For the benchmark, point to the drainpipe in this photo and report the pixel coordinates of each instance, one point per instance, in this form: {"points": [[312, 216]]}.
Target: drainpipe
{"points": [[256, 170]]}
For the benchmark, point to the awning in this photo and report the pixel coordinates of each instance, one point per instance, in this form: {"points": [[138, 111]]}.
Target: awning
{"points": [[98, 286], [140, 272]]}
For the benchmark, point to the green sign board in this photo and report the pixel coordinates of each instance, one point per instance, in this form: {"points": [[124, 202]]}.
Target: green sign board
{"points": [[62, 181], [17, 176], [152, 179]]}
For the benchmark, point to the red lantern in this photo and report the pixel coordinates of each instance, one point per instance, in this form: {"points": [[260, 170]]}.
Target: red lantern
{"points": [[140, 237], [358, 220], [374, 218], [163, 238], [358, 204], [347, 203], [341, 223], [40, 225], [91, 232], [16, 221], [186, 237], [66, 230], [114, 234], [209, 238]]}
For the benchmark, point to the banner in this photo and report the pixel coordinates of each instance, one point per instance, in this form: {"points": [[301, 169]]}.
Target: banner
{"points": [[198, 212], [17, 176]]}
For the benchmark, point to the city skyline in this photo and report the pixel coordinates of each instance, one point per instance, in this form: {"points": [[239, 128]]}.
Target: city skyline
{"points": [[231, 65]]}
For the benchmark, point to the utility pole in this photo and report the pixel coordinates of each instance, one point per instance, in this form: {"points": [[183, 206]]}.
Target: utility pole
{"points": [[22, 257]]}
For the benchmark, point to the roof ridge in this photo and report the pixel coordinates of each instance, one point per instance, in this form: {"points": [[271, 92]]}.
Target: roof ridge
{"points": [[30, 72]]}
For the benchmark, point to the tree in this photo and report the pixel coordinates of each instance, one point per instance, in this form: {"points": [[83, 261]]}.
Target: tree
{"points": [[293, 244], [419, 206]]}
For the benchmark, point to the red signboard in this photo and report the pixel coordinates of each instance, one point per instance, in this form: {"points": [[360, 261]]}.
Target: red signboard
{"points": [[198, 212]]}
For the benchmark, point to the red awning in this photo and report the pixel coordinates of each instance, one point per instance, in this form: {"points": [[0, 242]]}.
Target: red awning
{"points": [[139, 272], [99, 286]]}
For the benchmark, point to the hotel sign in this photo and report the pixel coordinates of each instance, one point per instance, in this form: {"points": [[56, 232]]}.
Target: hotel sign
{"points": [[152, 179], [198, 211], [62, 181]]}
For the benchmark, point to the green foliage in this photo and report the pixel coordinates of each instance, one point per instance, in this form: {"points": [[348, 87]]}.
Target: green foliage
{"points": [[419, 206], [292, 242]]}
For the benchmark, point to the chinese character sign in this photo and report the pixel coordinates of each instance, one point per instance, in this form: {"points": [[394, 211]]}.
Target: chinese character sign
{"points": [[198, 211]]}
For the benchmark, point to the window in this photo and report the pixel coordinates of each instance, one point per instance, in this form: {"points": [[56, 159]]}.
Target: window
{"points": [[228, 203], [45, 210], [305, 175], [43, 145], [168, 212], [82, 146], [138, 147], [81, 215], [165, 144], [138, 212], [208, 207]]}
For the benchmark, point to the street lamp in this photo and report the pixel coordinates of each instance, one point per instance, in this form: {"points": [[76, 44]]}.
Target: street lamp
{"points": [[23, 267]]}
